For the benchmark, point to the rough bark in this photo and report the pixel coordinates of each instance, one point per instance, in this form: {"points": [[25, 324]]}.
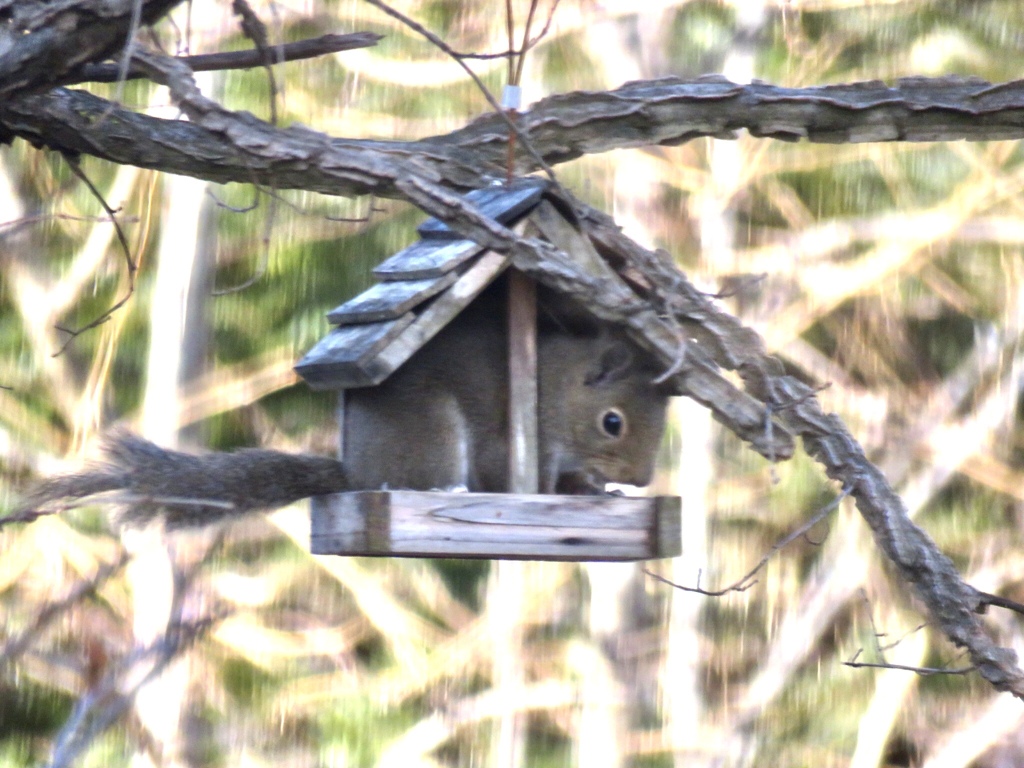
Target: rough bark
{"points": [[562, 127], [42, 42]]}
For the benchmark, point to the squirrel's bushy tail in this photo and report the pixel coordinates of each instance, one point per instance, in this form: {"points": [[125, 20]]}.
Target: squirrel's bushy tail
{"points": [[190, 490]]}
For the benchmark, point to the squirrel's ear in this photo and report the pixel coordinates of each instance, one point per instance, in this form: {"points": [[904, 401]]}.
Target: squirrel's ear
{"points": [[614, 363]]}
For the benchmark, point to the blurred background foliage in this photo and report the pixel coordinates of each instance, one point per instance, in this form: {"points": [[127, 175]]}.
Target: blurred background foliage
{"points": [[890, 272]]}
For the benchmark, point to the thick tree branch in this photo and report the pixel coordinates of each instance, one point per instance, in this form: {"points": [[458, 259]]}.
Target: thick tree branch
{"points": [[953, 605], [671, 110], [235, 147], [42, 42], [560, 128]]}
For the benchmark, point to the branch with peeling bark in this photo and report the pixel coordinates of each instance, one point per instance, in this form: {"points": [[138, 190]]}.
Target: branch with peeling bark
{"points": [[42, 42], [560, 128]]}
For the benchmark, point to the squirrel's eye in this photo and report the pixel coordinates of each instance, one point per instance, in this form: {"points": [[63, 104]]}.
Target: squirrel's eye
{"points": [[613, 423]]}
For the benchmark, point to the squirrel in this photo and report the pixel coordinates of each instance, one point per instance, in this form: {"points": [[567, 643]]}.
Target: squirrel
{"points": [[439, 421]]}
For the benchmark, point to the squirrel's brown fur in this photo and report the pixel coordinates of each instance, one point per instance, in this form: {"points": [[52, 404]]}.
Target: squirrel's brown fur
{"points": [[188, 489], [441, 420]]}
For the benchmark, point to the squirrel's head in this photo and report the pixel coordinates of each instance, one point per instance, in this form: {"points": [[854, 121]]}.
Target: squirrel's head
{"points": [[602, 418]]}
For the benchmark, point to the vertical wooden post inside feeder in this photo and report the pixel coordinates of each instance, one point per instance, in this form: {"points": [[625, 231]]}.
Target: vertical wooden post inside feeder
{"points": [[339, 416], [523, 469]]}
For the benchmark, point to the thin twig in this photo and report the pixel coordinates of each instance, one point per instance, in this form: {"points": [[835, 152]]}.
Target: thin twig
{"points": [[806, 397], [747, 581], [18, 645], [879, 648], [987, 599], [264, 262], [510, 30], [210, 62], [510, 150], [129, 49], [512, 51], [923, 671], [271, 192], [677, 363], [131, 266], [15, 224], [526, 43], [547, 26], [416, 26], [240, 209], [515, 73], [256, 31]]}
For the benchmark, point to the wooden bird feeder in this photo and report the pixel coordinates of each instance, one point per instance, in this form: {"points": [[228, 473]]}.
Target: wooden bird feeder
{"points": [[422, 289]]}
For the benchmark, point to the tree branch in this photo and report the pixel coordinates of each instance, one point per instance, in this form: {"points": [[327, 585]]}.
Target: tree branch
{"points": [[43, 42], [210, 62], [560, 127], [233, 147], [747, 580]]}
